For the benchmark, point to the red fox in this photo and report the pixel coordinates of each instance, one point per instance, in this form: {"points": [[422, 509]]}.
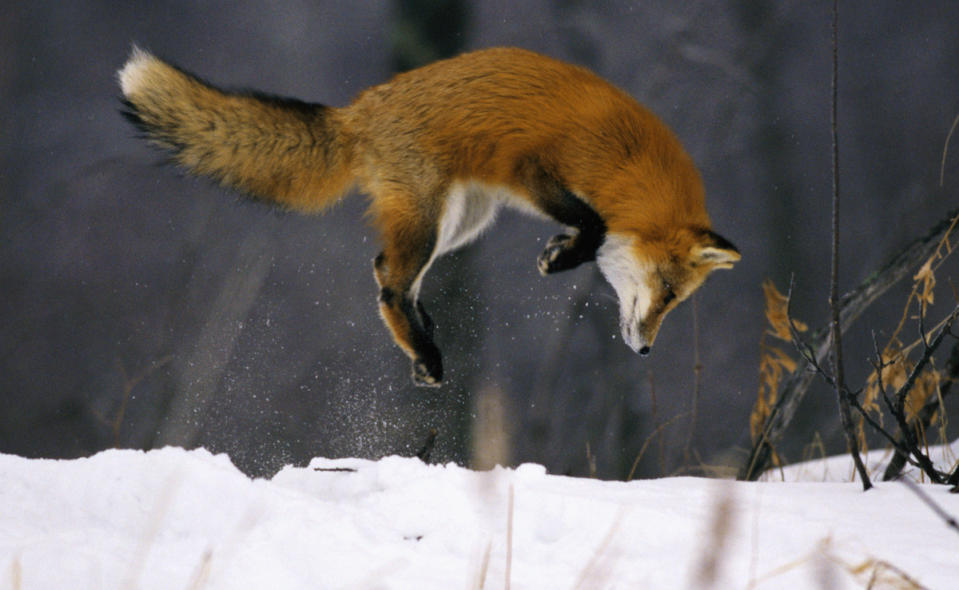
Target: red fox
{"points": [[439, 149]]}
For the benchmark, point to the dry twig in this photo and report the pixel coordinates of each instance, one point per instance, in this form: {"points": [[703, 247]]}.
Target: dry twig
{"points": [[851, 306]]}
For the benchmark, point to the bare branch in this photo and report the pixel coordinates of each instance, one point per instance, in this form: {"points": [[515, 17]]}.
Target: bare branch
{"points": [[928, 351], [802, 347], [908, 437], [793, 389], [898, 460], [898, 445]]}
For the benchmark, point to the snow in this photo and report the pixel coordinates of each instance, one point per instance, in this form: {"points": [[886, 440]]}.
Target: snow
{"points": [[841, 468], [176, 519]]}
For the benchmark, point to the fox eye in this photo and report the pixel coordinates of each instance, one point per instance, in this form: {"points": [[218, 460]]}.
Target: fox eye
{"points": [[670, 294]]}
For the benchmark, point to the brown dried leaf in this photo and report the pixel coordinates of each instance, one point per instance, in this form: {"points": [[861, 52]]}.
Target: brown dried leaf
{"points": [[895, 371], [774, 362], [925, 279], [777, 313], [924, 388]]}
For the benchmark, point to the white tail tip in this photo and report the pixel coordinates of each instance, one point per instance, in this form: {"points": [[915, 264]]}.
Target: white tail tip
{"points": [[133, 72]]}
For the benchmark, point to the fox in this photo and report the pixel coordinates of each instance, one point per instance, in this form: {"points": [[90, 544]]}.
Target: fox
{"points": [[439, 150]]}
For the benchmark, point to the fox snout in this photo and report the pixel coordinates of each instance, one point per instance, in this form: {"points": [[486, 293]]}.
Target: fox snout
{"points": [[640, 305], [638, 346], [636, 331]]}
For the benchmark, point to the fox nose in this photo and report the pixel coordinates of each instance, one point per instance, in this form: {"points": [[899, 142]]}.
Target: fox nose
{"points": [[644, 351]]}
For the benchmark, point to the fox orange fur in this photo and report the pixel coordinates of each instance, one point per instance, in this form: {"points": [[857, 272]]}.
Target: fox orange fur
{"points": [[439, 149]]}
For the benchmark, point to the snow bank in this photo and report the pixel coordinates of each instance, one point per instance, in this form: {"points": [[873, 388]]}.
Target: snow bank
{"points": [[840, 467], [173, 519]]}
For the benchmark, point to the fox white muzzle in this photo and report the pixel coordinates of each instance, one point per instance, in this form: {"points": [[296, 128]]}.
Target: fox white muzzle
{"points": [[630, 279]]}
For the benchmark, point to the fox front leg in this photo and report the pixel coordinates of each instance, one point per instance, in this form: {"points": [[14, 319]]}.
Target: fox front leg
{"points": [[551, 196]]}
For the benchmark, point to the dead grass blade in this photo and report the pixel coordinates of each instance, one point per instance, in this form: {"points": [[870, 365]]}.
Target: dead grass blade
{"points": [[945, 150], [598, 568], [509, 537]]}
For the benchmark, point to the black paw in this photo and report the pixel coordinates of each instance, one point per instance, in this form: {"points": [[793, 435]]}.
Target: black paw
{"points": [[428, 370], [424, 376], [557, 255], [425, 320]]}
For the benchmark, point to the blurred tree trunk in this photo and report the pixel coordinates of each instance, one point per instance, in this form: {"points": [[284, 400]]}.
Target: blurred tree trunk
{"points": [[198, 372]]}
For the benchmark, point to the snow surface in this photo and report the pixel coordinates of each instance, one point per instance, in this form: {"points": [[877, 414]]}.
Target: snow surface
{"points": [[175, 519]]}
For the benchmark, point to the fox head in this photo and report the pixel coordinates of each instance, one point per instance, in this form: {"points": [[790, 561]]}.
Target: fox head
{"points": [[652, 275]]}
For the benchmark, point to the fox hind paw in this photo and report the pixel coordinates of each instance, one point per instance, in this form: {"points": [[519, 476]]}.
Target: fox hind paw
{"points": [[423, 376], [428, 368], [558, 255]]}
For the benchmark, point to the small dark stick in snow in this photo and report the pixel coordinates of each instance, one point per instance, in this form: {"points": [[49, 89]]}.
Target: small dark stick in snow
{"points": [[427, 449], [949, 519]]}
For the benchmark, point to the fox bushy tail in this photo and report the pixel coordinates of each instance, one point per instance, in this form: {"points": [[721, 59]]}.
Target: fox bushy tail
{"points": [[286, 151]]}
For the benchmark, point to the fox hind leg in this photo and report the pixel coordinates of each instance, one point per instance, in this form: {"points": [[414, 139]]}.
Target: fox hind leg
{"points": [[425, 319], [406, 254]]}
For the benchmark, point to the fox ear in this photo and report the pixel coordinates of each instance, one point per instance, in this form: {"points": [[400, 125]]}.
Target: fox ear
{"points": [[715, 250]]}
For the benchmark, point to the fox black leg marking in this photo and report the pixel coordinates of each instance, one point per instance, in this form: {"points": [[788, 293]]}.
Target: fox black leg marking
{"points": [[425, 319], [411, 326], [564, 251], [427, 360]]}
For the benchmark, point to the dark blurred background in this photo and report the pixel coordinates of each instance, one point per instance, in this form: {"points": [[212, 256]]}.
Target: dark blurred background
{"points": [[140, 307]]}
